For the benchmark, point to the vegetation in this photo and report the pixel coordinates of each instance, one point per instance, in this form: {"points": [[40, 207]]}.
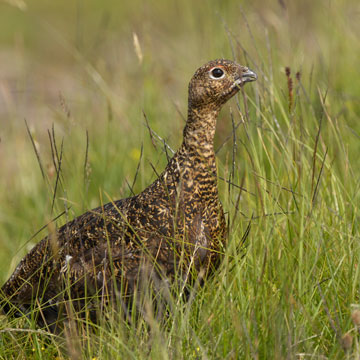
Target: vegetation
{"points": [[88, 77]]}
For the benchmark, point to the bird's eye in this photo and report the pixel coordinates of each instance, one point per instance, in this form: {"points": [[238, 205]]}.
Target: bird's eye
{"points": [[217, 73]]}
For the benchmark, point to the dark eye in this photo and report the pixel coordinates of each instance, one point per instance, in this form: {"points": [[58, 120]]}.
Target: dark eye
{"points": [[217, 73]]}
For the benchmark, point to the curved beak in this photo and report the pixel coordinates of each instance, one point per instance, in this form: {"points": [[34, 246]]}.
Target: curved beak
{"points": [[248, 75], [245, 76]]}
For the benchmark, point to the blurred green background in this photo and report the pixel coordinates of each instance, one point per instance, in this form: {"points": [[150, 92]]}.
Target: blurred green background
{"points": [[94, 67]]}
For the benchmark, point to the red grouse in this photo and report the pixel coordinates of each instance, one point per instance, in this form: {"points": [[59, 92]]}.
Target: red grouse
{"points": [[173, 229]]}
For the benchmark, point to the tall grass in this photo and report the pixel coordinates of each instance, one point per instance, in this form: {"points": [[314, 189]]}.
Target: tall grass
{"points": [[287, 163]]}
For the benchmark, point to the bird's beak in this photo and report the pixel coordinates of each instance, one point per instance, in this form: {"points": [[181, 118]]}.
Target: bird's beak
{"points": [[248, 76]]}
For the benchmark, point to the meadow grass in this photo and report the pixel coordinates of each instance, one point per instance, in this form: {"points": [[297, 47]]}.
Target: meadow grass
{"points": [[287, 150]]}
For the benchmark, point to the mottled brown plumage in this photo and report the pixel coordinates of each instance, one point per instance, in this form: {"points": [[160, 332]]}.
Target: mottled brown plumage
{"points": [[174, 228]]}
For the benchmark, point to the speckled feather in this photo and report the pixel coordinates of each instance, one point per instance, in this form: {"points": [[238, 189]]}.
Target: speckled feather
{"points": [[175, 226]]}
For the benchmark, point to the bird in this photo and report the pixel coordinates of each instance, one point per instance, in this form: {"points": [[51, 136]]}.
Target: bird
{"points": [[171, 231]]}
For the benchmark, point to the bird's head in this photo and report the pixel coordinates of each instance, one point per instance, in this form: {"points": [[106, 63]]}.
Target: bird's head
{"points": [[216, 82]]}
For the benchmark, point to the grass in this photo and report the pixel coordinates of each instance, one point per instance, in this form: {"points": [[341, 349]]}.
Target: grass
{"points": [[290, 165]]}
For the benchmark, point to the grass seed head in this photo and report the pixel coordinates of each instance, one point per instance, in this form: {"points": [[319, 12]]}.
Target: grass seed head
{"points": [[346, 341], [355, 317]]}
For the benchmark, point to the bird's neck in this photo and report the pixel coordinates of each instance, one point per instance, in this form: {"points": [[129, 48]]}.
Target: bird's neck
{"points": [[193, 167], [199, 131], [196, 154]]}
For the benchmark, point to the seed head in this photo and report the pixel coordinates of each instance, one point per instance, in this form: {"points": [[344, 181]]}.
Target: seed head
{"points": [[346, 341], [355, 317]]}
